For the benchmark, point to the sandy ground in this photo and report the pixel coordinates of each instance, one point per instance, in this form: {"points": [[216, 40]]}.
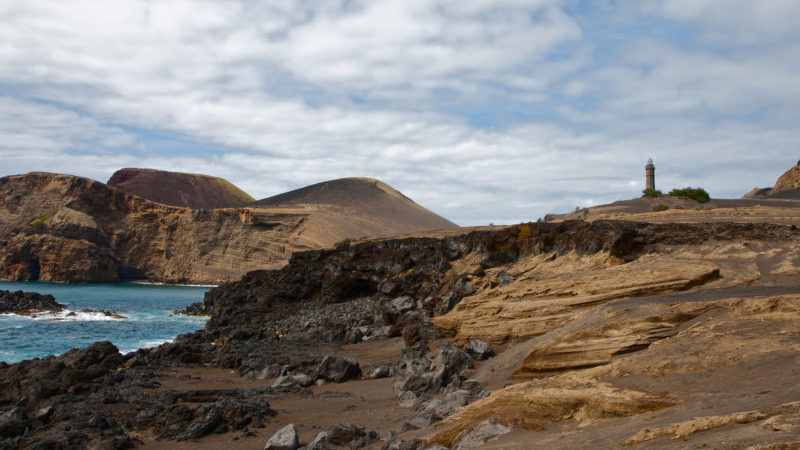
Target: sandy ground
{"points": [[369, 403]]}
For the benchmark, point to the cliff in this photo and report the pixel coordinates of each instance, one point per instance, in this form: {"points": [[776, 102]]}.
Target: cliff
{"points": [[66, 228], [180, 189], [605, 333], [788, 181]]}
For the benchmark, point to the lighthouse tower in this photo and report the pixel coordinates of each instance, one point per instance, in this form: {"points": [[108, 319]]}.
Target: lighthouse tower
{"points": [[650, 175]]}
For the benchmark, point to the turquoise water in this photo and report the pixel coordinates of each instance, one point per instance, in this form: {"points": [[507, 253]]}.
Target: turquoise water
{"points": [[148, 309]]}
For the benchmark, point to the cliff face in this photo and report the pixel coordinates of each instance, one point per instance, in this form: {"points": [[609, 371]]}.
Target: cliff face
{"points": [[180, 189], [788, 181], [66, 228], [468, 265]]}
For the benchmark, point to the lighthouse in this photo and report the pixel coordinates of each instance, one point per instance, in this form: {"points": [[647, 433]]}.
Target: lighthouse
{"points": [[650, 175]]}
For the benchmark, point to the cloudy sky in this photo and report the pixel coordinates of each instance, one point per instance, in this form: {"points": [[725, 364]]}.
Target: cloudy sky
{"points": [[481, 110]]}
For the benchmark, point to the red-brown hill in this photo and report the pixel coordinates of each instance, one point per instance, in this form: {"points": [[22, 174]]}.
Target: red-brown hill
{"points": [[180, 189]]}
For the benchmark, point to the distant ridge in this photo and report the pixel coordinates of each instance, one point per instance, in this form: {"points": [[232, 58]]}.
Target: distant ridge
{"points": [[389, 211], [787, 187], [180, 189]]}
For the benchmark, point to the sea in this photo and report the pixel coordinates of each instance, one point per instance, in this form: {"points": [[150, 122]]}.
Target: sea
{"points": [[148, 309]]}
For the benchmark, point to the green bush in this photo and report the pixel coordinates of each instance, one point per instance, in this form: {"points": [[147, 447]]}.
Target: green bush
{"points": [[40, 220], [651, 193], [660, 207], [697, 194], [343, 243]]}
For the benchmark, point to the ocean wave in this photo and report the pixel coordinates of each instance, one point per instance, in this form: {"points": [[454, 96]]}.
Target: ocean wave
{"points": [[75, 316], [142, 344], [158, 283]]}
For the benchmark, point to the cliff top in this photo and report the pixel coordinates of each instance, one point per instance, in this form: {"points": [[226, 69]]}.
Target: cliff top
{"points": [[179, 189]]}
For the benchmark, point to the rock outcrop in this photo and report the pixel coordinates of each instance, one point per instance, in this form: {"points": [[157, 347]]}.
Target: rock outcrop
{"points": [[180, 189], [66, 228], [790, 180], [20, 302]]}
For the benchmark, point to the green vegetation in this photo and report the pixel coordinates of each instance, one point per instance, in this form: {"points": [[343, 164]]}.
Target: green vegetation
{"points": [[40, 220], [343, 243], [697, 194], [237, 193], [660, 207], [524, 232], [582, 213], [651, 193]]}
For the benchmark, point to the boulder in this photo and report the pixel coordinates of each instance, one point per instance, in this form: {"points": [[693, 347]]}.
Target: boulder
{"points": [[299, 379], [338, 369], [389, 312], [451, 358], [380, 372], [504, 278], [27, 302], [336, 436], [420, 420], [448, 303], [479, 349], [284, 439], [206, 419], [12, 423], [480, 434], [365, 440]]}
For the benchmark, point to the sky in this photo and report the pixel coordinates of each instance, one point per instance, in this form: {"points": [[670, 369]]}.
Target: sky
{"points": [[483, 111]]}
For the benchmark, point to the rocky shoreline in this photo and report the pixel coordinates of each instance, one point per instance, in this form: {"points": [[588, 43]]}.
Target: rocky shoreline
{"points": [[26, 303], [284, 331]]}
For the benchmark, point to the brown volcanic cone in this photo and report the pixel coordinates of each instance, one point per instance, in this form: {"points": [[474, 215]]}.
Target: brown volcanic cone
{"points": [[377, 208], [180, 189]]}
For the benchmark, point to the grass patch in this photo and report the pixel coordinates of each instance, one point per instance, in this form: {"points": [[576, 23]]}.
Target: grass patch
{"points": [[40, 220], [524, 232], [660, 207], [344, 243], [651, 193], [697, 194]]}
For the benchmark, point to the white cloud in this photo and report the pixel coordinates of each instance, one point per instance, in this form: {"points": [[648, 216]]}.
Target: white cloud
{"points": [[278, 95]]}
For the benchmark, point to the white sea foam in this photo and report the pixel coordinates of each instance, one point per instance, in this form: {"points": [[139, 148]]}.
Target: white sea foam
{"points": [[158, 283], [142, 344], [73, 316]]}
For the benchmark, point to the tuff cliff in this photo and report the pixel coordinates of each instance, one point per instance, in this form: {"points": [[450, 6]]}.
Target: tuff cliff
{"points": [[57, 227]]}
